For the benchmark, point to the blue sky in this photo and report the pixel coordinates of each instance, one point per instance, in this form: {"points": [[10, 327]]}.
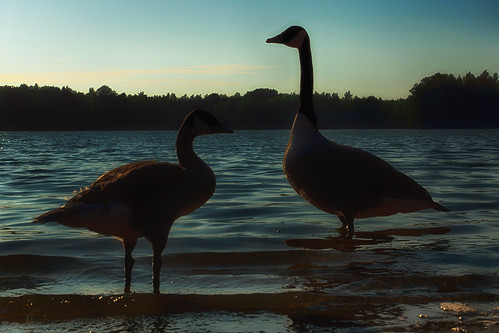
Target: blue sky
{"points": [[369, 47]]}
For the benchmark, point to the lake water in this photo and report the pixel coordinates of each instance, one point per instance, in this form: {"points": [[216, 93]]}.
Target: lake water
{"points": [[256, 257]]}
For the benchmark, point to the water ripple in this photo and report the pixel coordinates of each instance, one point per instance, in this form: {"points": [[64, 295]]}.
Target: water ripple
{"points": [[256, 236]]}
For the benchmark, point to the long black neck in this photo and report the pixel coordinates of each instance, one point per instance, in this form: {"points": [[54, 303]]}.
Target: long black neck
{"points": [[187, 158], [306, 106]]}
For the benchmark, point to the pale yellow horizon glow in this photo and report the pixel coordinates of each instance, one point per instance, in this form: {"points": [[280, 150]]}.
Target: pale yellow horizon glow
{"points": [[157, 78]]}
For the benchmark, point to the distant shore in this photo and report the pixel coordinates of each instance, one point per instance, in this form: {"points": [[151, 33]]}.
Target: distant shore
{"points": [[438, 101]]}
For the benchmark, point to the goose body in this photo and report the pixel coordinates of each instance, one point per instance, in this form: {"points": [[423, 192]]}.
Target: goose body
{"points": [[338, 179], [143, 199]]}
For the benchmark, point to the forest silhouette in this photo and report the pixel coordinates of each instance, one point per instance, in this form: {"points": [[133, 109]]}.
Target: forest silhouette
{"points": [[438, 101]]}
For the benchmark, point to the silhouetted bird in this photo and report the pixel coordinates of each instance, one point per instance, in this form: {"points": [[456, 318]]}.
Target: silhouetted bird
{"points": [[143, 199], [335, 178]]}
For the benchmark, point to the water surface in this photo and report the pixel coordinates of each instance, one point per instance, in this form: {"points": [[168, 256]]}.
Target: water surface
{"points": [[256, 257]]}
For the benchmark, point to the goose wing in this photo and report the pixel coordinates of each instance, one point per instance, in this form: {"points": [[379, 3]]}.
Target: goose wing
{"points": [[135, 185], [339, 178], [371, 177], [137, 192]]}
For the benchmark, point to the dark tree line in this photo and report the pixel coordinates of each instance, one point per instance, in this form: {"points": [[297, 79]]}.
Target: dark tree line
{"points": [[446, 101], [438, 101]]}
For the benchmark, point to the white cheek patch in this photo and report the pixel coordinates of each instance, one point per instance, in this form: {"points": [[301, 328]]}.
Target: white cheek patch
{"points": [[200, 125], [297, 40]]}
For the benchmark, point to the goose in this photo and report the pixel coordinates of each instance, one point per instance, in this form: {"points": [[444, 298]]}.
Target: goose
{"points": [[335, 178], [143, 199]]}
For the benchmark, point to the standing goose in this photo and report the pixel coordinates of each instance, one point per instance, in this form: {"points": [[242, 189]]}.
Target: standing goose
{"points": [[143, 199], [335, 178]]}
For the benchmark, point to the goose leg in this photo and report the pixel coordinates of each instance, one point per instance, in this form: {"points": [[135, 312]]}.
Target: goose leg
{"points": [[343, 229], [129, 245], [349, 217], [344, 222], [158, 245]]}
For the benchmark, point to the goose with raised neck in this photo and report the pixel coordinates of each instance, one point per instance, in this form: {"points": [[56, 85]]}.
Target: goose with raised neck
{"points": [[338, 179]]}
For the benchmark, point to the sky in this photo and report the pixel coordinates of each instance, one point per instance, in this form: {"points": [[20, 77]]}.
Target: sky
{"points": [[370, 47]]}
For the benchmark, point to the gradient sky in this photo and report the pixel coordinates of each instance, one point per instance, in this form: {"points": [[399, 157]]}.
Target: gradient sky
{"points": [[379, 48]]}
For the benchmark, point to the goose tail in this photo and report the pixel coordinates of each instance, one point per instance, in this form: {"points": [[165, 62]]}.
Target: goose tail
{"points": [[56, 215], [439, 207]]}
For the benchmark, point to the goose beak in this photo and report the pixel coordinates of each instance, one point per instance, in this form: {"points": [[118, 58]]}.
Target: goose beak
{"points": [[273, 40]]}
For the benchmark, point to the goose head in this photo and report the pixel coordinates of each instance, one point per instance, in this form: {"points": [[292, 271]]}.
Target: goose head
{"points": [[293, 36], [200, 122]]}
